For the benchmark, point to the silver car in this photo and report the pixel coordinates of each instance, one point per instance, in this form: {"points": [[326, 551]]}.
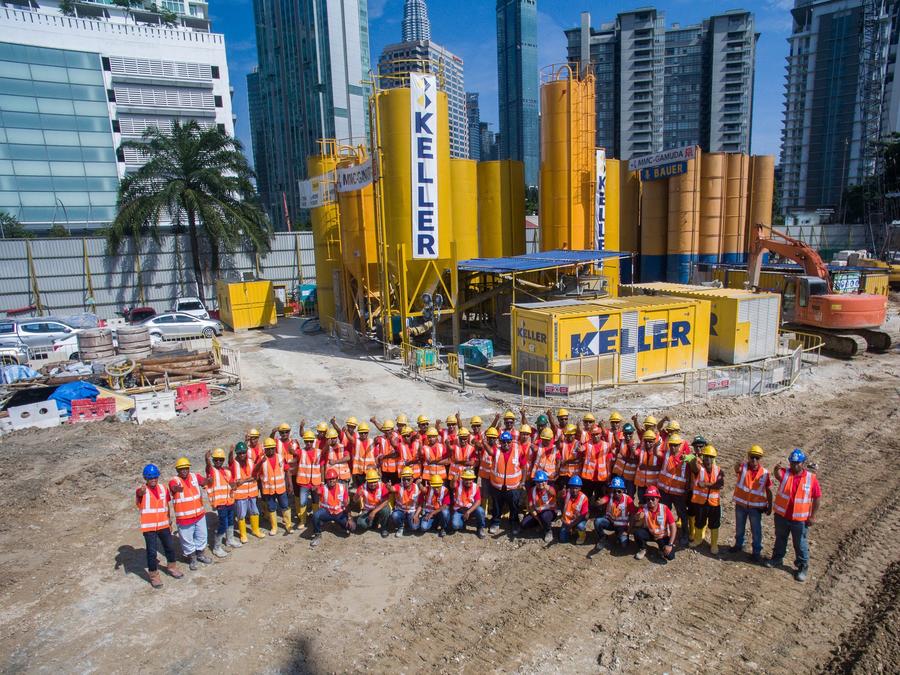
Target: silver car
{"points": [[178, 325], [34, 332]]}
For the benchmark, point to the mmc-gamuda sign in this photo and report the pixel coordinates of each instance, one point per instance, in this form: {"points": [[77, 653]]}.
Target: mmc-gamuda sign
{"points": [[424, 126]]}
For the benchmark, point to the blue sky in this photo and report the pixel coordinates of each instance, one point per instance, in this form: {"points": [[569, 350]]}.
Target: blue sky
{"points": [[467, 27]]}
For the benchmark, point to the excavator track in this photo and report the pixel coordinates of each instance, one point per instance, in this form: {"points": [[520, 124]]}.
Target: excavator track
{"points": [[840, 345], [877, 340]]}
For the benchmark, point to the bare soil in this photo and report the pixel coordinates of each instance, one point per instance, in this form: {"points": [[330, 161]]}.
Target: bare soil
{"points": [[75, 596]]}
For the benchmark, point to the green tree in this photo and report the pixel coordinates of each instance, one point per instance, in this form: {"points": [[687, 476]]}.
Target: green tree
{"points": [[11, 228], [58, 230], [193, 176], [67, 7]]}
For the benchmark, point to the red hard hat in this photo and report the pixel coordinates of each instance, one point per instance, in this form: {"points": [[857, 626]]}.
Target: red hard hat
{"points": [[651, 491], [331, 473]]}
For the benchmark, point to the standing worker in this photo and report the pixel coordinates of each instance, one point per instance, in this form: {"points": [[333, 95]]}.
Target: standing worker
{"points": [[614, 433], [673, 482], [546, 457], [485, 464], [541, 504], [462, 456], [796, 504], [254, 449], [467, 503], [309, 475], [571, 456], [649, 463], [387, 450], [270, 469], [336, 455], [152, 500], [574, 513], [707, 481], [752, 498], [435, 457], [628, 453], [220, 490], [655, 522], [595, 469], [190, 515], [374, 504], [288, 447], [363, 455], [406, 501], [246, 491], [334, 507], [507, 479]]}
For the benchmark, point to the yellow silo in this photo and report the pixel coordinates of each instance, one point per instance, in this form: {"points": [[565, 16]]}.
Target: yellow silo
{"points": [[654, 229], [568, 165], [683, 230], [762, 186], [326, 224], [612, 230], [501, 208], [712, 205], [737, 168], [629, 208], [464, 198]]}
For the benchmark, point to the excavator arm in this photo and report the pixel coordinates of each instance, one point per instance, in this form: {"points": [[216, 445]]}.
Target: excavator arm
{"points": [[787, 247]]}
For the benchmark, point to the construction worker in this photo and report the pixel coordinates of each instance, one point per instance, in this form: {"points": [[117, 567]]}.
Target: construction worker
{"points": [[387, 451], [574, 512], [673, 482], [334, 506], [626, 459], [270, 469], [435, 458], [336, 456], [595, 469], [434, 507], [152, 500], [477, 434], [220, 491], [410, 452], [614, 433], [462, 456], [374, 504], [649, 463], [587, 423], [654, 522], [423, 423], [752, 498], [508, 466], [467, 503], [796, 504], [190, 515], [670, 427], [546, 457], [527, 447], [246, 491], [310, 461], [448, 436], [363, 455], [509, 424], [571, 456], [618, 508], [541, 503], [254, 449], [489, 445], [707, 480], [650, 423], [288, 447], [406, 500], [347, 433]]}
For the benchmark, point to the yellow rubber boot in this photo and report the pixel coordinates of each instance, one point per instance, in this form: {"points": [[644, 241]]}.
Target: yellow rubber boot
{"points": [[288, 520], [242, 530], [302, 516], [696, 537], [297, 505], [714, 541], [581, 536], [691, 527], [254, 527], [273, 523]]}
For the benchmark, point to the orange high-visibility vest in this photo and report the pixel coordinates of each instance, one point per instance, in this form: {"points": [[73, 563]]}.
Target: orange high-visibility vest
{"points": [[568, 452], [220, 493], [702, 490], [627, 468], [309, 467], [409, 457], [548, 462], [648, 467], [254, 452], [406, 498], [434, 499], [463, 499], [273, 477], [287, 449], [802, 499], [363, 456], [485, 467], [189, 502], [572, 510], [543, 501], [656, 523], [336, 453], [334, 500], [384, 447], [613, 438], [431, 455], [673, 478], [617, 512], [595, 466], [154, 510], [460, 456], [372, 498], [240, 472], [750, 492], [506, 472]]}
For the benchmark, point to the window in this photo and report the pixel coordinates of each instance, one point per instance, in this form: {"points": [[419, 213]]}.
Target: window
{"points": [[215, 72], [184, 318], [7, 327], [111, 95], [218, 100], [168, 318], [105, 60], [190, 306], [33, 328], [115, 127]]}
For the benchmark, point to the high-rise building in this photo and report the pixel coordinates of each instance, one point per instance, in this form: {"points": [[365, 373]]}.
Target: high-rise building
{"points": [[660, 88], [840, 98], [473, 121], [77, 80], [313, 58], [424, 55], [517, 79]]}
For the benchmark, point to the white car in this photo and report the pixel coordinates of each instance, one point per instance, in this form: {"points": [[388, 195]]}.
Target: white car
{"points": [[179, 325], [191, 305]]}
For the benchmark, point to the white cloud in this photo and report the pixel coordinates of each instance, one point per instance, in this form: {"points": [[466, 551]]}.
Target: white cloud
{"points": [[376, 8]]}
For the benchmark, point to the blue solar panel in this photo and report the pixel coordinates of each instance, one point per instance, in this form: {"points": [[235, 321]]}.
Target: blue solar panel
{"points": [[537, 261]]}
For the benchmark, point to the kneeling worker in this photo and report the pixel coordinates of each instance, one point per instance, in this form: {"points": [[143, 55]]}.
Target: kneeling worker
{"points": [[575, 512], [334, 502], [406, 502], [655, 522], [618, 509], [374, 504], [541, 505], [435, 507], [467, 503]]}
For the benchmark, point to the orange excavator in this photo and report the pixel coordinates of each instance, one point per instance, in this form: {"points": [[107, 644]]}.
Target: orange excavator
{"points": [[847, 322]]}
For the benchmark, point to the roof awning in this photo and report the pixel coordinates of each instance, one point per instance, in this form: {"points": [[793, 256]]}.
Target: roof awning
{"points": [[532, 262]]}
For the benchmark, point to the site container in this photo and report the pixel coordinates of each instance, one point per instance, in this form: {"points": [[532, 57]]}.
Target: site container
{"points": [[611, 340], [246, 304], [775, 278], [743, 326]]}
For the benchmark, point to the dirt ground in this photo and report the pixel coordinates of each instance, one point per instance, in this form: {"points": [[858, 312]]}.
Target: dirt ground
{"points": [[75, 597]]}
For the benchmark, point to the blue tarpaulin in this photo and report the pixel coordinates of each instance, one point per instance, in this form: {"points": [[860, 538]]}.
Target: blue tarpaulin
{"points": [[71, 391], [537, 261]]}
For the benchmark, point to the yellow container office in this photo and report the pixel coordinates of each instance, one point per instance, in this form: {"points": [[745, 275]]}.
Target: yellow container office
{"points": [[743, 325], [612, 340], [246, 304]]}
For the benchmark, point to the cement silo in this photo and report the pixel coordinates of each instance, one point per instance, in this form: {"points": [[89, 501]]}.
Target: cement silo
{"points": [[762, 187], [712, 206], [501, 208], [326, 224], [654, 229], [683, 222], [736, 179], [464, 198]]}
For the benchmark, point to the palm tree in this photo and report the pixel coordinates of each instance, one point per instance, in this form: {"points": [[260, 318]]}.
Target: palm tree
{"points": [[196, 175]]}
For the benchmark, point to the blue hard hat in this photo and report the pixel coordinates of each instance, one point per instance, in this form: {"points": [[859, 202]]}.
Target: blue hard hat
{"points": [[797, 456], [541, 477], [575, 481], [151, 471], [505, 437], [617, 483], [628, 428]]}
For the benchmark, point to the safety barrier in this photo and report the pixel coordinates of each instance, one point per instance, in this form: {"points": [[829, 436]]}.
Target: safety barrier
{"points": [[191, 397], [762, 378], [809, 344], [541, 385], [418, 359], [86, 410], [453, 365]]}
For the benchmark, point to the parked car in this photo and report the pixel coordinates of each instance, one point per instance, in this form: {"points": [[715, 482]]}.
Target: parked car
{"points": [[34, 332], [13, 354], [191, 305], [179, 324], [136, 315]]}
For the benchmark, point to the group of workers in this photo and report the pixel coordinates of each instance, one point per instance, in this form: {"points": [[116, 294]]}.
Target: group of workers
{"points": [[631, 479]]}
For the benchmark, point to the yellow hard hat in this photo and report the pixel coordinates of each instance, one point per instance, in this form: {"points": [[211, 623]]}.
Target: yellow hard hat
{"points": [[675, 439], [432, 432], [615, 416], [709, 451], [406, 472], [524, 429], [571, 429], [406, 430], [372, 476], [183, 463], [547, 434], [436, 481], [309, 435], [649, 421], [352, 421], [321, 426], [253, 433], [562, 412], [387, 425], [269, 443], [451, 419], [649, 435], [422, 419], [476, 420], [363, 428], [284, 426], [468, 474], [492, 433], [218, 453], [672, 425], [402, 419], [509, 415], [331, 433], [588, 417], [464, 433], [755, 451]]}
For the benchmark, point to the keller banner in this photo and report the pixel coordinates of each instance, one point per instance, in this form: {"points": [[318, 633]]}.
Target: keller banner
{"points": [[600, 201], [423, 129]]}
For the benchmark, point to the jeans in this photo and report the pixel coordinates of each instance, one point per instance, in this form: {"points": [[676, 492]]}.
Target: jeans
{"points": [[226, 519], [545, 519], [245, 507], [382, 518], [566, 531], [603, 523], [193, 537], [798, 531], [278, 502], [152, 540], [322, 516], [741, 515], [441, 519], [402, 518], [677, 503], [306, 494], [458, 521], [504, 497], [642, 535]]}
